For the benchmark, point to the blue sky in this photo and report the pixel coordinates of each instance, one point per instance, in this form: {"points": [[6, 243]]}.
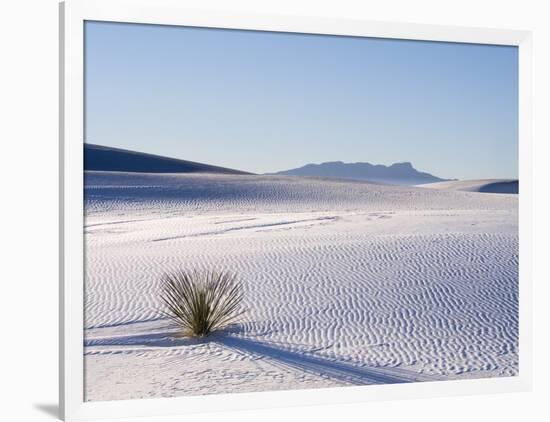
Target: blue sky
{"points": [[263, 102]]}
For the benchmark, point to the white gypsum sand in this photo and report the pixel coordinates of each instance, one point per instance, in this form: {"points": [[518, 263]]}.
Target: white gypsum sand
{"points": [[347, 283], [477, 185]]}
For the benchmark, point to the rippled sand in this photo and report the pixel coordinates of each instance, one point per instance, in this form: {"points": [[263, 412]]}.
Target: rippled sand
{"points": [[347, 283]]}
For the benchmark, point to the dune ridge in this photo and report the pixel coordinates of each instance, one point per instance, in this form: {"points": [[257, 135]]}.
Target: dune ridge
{"points": [[479, 185], [103, 158]]}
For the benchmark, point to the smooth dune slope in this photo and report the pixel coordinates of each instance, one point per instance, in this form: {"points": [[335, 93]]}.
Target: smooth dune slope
{"points": [[481, 185], [101, 158], [347, 283]]}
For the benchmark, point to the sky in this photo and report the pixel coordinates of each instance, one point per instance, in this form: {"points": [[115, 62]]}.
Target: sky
{"points": [[265, 102]]}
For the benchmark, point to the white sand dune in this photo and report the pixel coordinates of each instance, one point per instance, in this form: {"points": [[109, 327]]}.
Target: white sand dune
{"points": [[479, 185], [347, 283]]}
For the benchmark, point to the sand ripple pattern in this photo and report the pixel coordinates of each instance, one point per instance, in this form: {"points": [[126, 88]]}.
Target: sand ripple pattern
{"points": [[156, 193], [347, 283]]}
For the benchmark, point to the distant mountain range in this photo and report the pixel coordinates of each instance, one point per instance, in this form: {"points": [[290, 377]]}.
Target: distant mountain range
{"points": [[102, 158], [97, 157], [396, 174]]}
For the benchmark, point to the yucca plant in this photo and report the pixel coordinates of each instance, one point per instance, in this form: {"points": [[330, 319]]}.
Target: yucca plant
{"points": [[201, 302]]}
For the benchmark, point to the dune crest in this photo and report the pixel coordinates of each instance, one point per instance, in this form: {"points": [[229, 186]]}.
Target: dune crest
{"points": [[479, 185], [101, 158]]}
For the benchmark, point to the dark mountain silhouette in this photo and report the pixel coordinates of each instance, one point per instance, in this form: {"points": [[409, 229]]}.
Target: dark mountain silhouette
{"points": [[396, 174], [97, 157]]}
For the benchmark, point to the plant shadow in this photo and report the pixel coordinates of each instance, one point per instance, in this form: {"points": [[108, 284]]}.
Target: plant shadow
{"points": [[282, 356], [161, 339], [344, 371]]}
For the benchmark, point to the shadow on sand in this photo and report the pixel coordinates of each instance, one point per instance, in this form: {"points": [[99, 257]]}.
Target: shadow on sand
{"points": [[337, 370], [162, 339], [347, 372]]}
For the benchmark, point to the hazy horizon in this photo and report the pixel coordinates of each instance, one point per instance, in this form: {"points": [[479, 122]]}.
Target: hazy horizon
{"points": [[266, 102]]}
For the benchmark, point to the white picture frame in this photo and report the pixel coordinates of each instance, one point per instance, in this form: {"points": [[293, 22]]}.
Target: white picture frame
{"points": [[73, 14]]}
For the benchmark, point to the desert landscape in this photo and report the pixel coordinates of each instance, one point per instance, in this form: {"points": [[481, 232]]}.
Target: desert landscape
{"points": [[276, 211], [346, 282]]}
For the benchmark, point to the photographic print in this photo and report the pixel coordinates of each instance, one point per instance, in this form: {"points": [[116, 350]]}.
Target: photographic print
{"points": [[278, 211]]}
